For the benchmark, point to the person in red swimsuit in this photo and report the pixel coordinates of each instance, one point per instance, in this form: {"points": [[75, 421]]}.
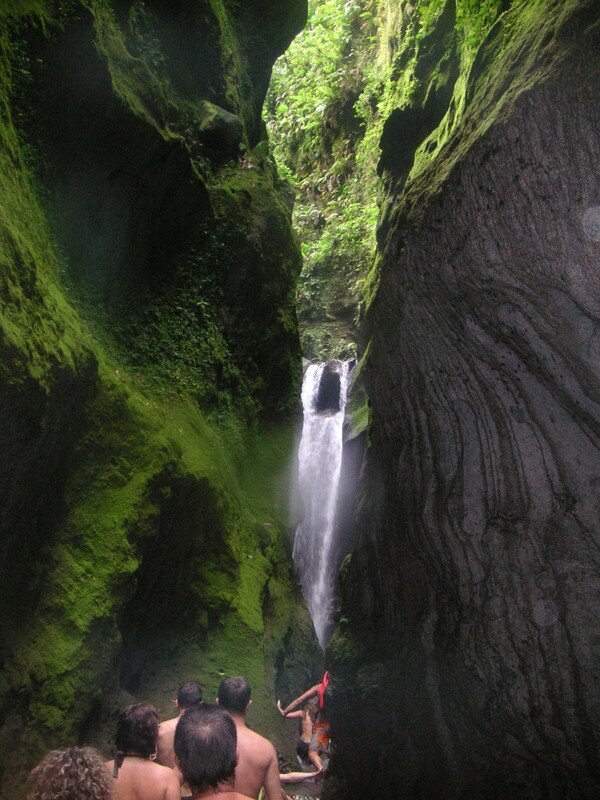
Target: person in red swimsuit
{"points": [[320, 743]]}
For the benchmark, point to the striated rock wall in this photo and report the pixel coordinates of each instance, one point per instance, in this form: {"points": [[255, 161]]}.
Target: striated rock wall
{"points": [[147, 332], [467, 656]]}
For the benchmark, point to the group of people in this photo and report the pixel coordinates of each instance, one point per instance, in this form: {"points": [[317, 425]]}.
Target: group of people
{"points": [[207, 749]]}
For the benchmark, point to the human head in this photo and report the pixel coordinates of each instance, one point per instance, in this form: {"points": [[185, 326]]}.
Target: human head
{"points": [[137, 730], [234, 694], [190, 694], [77, 773], [206, 747]]}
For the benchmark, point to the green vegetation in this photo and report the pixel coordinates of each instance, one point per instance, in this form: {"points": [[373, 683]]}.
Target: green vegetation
{"points": [[148, 338], [142, 533], [355, 65], [317, 135]]}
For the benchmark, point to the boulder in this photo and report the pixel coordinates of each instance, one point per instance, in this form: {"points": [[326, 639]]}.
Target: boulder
{"points": [[328, 397]]}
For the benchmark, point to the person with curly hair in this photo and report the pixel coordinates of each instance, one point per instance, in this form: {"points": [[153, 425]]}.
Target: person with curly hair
{"points": [[77, 773], [136, 775]]}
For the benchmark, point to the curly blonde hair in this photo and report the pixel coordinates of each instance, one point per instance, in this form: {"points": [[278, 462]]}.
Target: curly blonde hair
{"points": [[77, 773]]}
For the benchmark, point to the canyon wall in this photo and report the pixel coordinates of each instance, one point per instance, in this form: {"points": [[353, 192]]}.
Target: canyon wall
{"points": [[149, 355], [467, 655]]}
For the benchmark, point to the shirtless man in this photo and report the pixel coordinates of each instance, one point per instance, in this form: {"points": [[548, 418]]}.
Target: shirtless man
{"points": [[136, 776], [206, 752], [257, 765], [188, 696]]}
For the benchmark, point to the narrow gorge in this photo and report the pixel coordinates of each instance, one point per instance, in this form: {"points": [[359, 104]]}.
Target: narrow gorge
{"points": [[299, 369]]}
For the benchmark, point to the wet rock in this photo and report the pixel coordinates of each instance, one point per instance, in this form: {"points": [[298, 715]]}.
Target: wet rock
{"points": [[470, 618], [328, 397], [220, 129]]}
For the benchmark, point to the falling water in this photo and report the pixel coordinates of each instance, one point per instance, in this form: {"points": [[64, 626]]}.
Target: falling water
{"points": [[320, 461]]}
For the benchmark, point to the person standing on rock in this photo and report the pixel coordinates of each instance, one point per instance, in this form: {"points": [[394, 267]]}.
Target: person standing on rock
{"points": [[320, 742], [136, 776], [206, 752], [258, 765], [188, 696], [307, 716]]}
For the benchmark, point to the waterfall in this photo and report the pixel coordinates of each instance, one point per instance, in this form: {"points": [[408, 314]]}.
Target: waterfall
{"points": [[320, 460]]}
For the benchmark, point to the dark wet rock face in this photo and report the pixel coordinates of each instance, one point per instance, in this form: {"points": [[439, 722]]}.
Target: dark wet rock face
{"points": [[328, 397], [470, 646]]}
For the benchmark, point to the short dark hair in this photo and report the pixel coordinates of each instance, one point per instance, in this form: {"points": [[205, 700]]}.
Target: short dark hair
{"points": [[137, 730], [234, 694], [77, 773], [190, 694], [206, 747]]}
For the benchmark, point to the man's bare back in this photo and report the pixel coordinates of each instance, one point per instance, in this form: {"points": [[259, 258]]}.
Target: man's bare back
{"points": [[189, 696], [257, 765], [165, 749], [141, 779]]}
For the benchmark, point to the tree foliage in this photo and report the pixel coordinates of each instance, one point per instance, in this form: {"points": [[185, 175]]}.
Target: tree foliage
{"points": [[330, 96], [316, 133]]}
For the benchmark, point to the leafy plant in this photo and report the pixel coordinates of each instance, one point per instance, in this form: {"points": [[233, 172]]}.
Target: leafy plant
{"points": [[330, 96], [316, 132]]}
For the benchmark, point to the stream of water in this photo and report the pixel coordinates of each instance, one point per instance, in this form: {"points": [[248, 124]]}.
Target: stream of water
{"points": [[320, 462]]}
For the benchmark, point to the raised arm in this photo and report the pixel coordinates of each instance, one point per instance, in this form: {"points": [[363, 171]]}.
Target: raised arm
{"points": [[291, 714], [312, 692]]}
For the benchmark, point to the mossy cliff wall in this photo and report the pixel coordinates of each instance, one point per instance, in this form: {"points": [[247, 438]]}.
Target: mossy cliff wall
{"points": [[467, 654], [149, 353]]}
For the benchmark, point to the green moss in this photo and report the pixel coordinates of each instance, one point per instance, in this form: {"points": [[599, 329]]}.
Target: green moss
{"points": [[332, 94], [18, 10], [428, 75], [525, 44], [317, 134], [144, 433]]}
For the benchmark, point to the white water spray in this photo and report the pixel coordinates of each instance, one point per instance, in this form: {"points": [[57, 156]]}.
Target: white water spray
{"points": [[320, 462]]}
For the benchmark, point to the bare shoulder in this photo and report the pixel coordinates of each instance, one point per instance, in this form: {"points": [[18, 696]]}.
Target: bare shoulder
{"points": [[163, 774], [168, 726], [253, 736], [259, 744]]}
